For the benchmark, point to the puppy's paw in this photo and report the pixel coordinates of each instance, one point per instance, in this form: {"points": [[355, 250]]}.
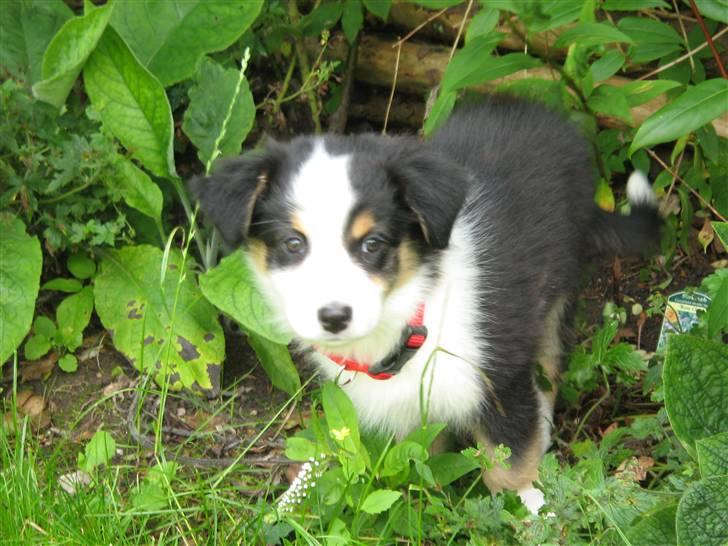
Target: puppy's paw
{"points": [[532, 498]]}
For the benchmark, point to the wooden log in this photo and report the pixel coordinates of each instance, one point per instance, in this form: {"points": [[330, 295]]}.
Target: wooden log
{"points": [[422, 65]]}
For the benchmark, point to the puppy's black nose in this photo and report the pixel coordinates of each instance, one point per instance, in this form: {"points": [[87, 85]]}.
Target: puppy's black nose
{"points": [[334, 317]]}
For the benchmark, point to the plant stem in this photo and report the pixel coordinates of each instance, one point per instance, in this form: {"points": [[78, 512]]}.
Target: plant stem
{"points": [[303, 66]]}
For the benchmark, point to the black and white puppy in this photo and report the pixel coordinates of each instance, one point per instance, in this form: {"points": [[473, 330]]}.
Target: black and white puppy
{"points": [[433, 278]]}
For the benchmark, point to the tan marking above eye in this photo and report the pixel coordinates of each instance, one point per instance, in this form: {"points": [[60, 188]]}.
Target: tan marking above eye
{"points": [[297, 224], [362, 224]]}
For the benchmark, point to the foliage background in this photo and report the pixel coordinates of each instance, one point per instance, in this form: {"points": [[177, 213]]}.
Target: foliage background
{"points": [[106, 108]]}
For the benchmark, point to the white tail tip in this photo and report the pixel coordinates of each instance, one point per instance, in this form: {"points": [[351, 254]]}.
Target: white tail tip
{"points": [[639, 191]]}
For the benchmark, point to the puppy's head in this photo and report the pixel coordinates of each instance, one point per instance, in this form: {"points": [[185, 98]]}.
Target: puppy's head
{"points": [[336, 227]]}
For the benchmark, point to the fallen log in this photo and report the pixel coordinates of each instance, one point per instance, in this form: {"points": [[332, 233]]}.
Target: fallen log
{"points": [[422, 65]]}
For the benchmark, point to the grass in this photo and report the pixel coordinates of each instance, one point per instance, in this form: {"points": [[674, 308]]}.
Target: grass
{"points": [[370, 491]]}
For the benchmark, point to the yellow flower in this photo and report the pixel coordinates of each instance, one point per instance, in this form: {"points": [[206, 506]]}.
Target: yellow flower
{"points": [[341, 434]]}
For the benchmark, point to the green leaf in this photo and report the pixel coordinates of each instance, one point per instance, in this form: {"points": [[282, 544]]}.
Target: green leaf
{"points": [[482, 67], [20, 267], [138, 189], [717, 313], [721, 230], [322, 17], [340, 416], [652, 39], [68, 363], [440, 111], [63, 285], [612, 101], [99, 450], [714, 9], [694, 108], [36, 346], [277, 362], [158, 318], [702, 515], [231, 288], [467, 62], [482, 23], [300, 449], [26, 28], [221, 112], [434, 4], [169, 37], [68, 52], [154, 493], [713, 455], [695, 375], [72, 317], [656, 528], [591, 34], [81, 266], [352, 19], [397, 461], [380, 501], [131, 102], [44, 326], [639, 92], [448, 467], [633, 5], [607, 66], [380, 8]]}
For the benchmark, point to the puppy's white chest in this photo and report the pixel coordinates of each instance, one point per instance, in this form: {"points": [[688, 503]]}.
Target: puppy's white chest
{"points": [[442, 383]]}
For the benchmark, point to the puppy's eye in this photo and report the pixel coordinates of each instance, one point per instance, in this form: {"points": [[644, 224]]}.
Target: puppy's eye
{"points": [[294, 245], [372, 245]]}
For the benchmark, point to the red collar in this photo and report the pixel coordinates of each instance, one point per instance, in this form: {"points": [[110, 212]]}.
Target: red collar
{"points": [[413, 337]]}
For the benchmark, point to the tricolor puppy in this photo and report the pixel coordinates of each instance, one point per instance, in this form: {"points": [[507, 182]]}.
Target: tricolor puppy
{"points": [[433, 278]]}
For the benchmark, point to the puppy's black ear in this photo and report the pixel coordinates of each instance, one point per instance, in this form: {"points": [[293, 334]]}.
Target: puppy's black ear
{"points": [[434, 188], [227, 197]]}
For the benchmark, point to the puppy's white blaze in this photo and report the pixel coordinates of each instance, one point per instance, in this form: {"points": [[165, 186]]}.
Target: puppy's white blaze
{"points": [[322, 199], [639, 191], [450, 386]]}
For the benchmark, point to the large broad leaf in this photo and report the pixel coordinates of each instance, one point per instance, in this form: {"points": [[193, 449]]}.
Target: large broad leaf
{"points": [[132, 103], [591, 34], [656, 528], [277, 362], [221, 112], [169, 37], [158, 318], [702, 515], [693, 109], [67, 53], [713, 455], [20, 266], [138, 190], [231, 288], [696, 397], [26, 28]]}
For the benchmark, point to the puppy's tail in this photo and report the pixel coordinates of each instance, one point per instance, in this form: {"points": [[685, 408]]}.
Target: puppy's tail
{"points": [[638, 233]]}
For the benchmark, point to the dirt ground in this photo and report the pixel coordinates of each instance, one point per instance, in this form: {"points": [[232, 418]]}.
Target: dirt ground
{"points": [[249, 416]]}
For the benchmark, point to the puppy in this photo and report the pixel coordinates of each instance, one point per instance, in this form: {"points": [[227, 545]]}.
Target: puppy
{"points": [[432, 279]]}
